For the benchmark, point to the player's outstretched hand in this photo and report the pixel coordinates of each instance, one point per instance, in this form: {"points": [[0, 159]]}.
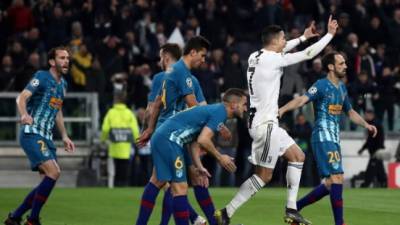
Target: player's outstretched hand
{"points": [[225, 133], [68, 145], [144, 138], [311, 31], [26, 119], [372, 129], [332, 25], [227, 162]]}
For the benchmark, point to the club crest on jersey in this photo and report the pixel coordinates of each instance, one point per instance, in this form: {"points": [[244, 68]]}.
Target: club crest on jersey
{"points": [[35, 82], [220, 125], [312, 90], [189, 82]]}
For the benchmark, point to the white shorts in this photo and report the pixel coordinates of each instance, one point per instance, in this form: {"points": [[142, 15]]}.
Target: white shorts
{"points": [[269, 142]]}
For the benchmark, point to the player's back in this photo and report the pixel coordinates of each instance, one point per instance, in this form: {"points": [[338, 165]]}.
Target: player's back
{"points": [[264, 79], [47, 99], [329, 103], [183, 127]]}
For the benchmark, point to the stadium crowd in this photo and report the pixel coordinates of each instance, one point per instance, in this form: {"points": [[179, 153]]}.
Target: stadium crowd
{"points": [[118, 41]]}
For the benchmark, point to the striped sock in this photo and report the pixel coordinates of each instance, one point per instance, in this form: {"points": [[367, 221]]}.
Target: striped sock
{"points": [[25, 206], [206, 204], [249, 188], [315, 195], [337, 203], [167, 207], [192, 214], [293, 176], [181, 210], [147, 203], [42, 193]]}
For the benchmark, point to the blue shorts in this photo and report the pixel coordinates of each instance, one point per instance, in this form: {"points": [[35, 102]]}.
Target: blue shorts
{"points": [[38, 149], [328, 157], [168, 159]]}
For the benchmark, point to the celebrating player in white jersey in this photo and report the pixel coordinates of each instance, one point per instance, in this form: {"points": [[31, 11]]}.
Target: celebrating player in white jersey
{"points": [[269, 140]]}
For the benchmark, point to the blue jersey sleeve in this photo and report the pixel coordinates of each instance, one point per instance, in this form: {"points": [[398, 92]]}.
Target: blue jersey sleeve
{"points": [[198, 91], [184, 83], [216, 119], [155, 87], [315, 91], [37, 82]]}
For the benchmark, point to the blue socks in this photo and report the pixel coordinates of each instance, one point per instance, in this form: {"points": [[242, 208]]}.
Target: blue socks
{"points": [[147, 203], [204, 199], [42, 193], [167, 207], [181, 210], [315, 195], [337, 203], [25, 206]]}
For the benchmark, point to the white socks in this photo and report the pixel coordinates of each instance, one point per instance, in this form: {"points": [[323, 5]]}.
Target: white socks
{"points": [[293, 176], [250, 187]]}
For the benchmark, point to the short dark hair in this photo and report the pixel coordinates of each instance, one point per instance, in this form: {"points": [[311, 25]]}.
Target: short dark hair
{"points": [[52, 53], [196, 43], [172, 49], [328, 59], [231, 93], [269, 33]]}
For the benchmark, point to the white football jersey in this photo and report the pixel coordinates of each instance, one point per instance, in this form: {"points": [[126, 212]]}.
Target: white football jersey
{"points": [[264, 77]]}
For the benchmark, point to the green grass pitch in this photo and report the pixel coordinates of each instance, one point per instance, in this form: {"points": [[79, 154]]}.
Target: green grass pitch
{"points": [[101, 206]]}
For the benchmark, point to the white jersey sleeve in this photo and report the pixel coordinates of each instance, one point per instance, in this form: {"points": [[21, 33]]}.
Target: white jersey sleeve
{"points": [[306, 54], [291, 44]]}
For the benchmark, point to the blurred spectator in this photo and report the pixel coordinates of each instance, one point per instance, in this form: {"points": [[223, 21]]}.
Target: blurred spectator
{"points": [[56, 28], [133, 49], [25, 75], [32, 41], [208, 82], [81, 64], [364, 61], [375, 33], [375, 172], [121, 128], [139, 85], [77, 37], [315, 73], [7, 74], [360, 90], [234, 73], [18, 55], [20, 16], [387, 97]]}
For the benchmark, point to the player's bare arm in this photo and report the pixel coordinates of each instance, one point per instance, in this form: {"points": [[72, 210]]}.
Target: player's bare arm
{"points": [[357, 119], [293, 104], [190, 100], [68, 144], [205, 141], [22, 99], [152, 121]]}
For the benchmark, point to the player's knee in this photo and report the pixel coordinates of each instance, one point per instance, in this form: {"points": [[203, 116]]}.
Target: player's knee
{"points": [[336, 179], [157, 183], [54, 174]]}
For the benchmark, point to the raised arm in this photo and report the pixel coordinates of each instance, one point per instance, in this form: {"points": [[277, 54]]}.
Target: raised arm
{"points": [[309, 32], [313, 50]]}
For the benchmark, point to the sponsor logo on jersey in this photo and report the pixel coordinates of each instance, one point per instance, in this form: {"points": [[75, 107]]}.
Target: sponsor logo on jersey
{"points": [[335, 109], [55, 103]]}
